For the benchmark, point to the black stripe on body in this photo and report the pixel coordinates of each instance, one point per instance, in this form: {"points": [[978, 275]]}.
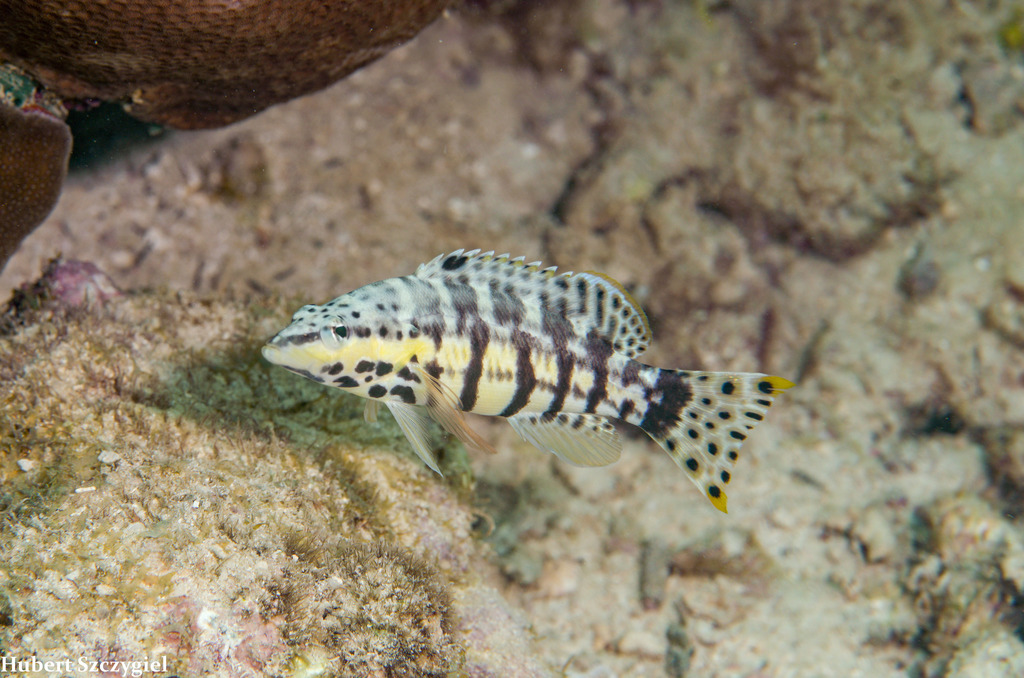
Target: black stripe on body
{"points": [[598, 353], [566, 364], [433, 329], [464, 303], [508, 308], [581, 295], [631, 373], [479, 336], [555, 326], [526, 380], [672, 393]]}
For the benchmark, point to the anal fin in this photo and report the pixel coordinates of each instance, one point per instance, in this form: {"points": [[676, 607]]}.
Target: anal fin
{"points": [[578, 439], [415, 425]]}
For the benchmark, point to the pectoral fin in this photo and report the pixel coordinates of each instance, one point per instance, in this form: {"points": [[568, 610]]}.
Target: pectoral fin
{"points": [[443, 405], [579, 439], [416, 425]]}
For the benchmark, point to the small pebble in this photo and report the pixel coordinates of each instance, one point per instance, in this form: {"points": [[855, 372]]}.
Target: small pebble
{"points": [[641, 643], [77, 284], [522, 566], [560, 578], [875, 531], [27, 465], [105, 590], [680, 651], [919, 276], [108, 457], [654, 562]]}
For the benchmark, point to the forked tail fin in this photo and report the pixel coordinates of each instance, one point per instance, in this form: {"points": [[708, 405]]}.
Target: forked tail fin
{"points": [[702, 418]]}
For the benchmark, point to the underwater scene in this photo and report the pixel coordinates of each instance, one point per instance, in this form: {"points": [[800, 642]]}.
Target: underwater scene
{"points": [[290, 384]]}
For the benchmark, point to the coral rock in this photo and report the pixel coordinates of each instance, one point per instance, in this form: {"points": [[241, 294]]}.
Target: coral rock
{"points": [[206, 63], [32, 167]]}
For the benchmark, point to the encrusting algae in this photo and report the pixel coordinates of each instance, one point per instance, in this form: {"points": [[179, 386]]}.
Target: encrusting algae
{"points": [[164, 495], [551, 352]]}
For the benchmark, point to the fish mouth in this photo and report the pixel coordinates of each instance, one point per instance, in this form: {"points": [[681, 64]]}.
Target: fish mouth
{"points": [[271, 353]]}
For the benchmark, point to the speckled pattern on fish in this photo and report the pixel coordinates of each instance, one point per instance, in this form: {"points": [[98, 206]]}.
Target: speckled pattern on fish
{"points": [[554, 353]]}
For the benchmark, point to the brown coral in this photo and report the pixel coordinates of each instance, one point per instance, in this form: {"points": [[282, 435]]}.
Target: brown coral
{"points": [[201, 63], [32, 166]]}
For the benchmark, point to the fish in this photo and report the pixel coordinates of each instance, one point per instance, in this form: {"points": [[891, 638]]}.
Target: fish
{"points": [[554, 353]]}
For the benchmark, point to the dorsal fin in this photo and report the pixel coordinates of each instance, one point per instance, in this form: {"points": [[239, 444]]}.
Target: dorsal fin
{"points": [[462, 261], [614, 313], [588, 300]]}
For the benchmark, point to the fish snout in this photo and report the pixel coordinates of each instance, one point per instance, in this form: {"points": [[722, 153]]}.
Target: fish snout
{"points": [[272, 352]]}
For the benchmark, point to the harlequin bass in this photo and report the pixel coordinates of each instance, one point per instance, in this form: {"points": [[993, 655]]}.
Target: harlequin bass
{"points": [[553, 353]]}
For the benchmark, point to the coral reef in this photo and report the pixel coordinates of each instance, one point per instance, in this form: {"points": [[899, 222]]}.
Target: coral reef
{"points": [[166, 495]]}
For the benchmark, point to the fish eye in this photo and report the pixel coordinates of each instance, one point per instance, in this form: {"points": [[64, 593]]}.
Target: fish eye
{"points": [[332, 335]]}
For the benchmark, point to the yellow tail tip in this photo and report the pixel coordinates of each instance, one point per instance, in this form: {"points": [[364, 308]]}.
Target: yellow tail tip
{"points": [[720, 502], [778, 384]]}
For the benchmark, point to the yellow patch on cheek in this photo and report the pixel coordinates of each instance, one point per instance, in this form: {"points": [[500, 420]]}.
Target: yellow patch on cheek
{"points": [[318, 353], [395, 352], [399, 352]]}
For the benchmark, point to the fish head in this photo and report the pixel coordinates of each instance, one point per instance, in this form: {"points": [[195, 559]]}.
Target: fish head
{"points": [[317, 339], [335, 345]]}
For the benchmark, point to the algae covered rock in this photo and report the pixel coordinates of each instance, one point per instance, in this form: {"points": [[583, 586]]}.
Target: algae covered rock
{"points": [[966, 585], [168, 497]]}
